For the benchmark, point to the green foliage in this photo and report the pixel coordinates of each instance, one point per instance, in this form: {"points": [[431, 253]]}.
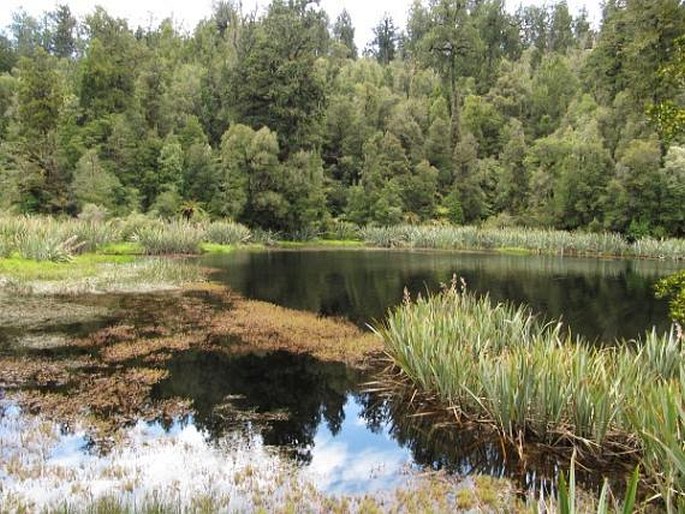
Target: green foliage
{"points": [[343, 32], [40, 95], [270, 120], [673, 288], [497, 363], [174, 237], [276, 62], [92, 184]]}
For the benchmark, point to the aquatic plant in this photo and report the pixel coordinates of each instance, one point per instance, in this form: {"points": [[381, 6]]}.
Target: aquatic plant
{"points": [[567, 494], [499, 364]]}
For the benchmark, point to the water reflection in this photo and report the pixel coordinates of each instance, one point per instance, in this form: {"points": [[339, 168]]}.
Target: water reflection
{"points": [[602, 299], [348, 440], [294, 394]]}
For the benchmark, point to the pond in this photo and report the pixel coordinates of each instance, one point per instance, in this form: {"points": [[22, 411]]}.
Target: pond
{"points": [[601, 299], [281, 411]]}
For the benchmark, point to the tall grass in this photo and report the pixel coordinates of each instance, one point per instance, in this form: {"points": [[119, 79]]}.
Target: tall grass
{"points": [[499, 364], [50, 239], [176, 237], [227, 233], [534, 240]]}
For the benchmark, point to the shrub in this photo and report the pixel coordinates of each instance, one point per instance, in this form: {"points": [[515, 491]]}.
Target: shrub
{"points": [[227, 233], [176, 237]]}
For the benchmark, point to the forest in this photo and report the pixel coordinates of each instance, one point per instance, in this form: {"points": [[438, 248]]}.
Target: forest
{"points": [[468, 115]]}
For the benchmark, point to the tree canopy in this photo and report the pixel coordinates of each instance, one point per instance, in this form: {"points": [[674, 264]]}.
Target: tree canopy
{"points": [[470, 112]]}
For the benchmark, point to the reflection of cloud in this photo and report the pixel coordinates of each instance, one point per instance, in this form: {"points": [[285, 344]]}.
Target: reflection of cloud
{"points": [[329, 455], [356, 460], [180, 463], [336, 469]]}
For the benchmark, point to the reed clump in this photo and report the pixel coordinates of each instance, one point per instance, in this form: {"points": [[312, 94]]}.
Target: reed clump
{"points": [[542, 241], [227, 233], [50, 239], [175, 237], [42, 238], [499, 364]]}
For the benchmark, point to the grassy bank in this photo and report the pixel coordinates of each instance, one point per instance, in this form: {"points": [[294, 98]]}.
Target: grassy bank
{"points": [[59, 240], [49, 239], [498, 364], [94, 273], [522, 240]]}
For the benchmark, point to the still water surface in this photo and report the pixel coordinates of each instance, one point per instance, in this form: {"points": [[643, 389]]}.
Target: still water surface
{"points": [[601, 299]]}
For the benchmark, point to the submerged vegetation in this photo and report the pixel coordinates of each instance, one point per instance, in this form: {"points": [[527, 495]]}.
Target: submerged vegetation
{"points": [[499, 365]]}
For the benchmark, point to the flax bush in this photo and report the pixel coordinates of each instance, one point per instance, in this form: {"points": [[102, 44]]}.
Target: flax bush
{"points": [[498, 363], [541, 241]]}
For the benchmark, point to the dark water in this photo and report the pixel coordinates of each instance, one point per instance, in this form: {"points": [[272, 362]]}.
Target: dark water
{"points": [[601, 299]]}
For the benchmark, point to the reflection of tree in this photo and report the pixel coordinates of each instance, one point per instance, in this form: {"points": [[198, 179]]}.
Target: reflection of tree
{"points": [[437, 443], [307, 391], [600, 299]]}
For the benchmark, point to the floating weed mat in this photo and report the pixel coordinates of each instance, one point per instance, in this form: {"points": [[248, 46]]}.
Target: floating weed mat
{"points": [[500, 365]]}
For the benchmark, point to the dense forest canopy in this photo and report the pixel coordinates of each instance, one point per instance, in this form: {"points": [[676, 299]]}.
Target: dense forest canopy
{"points": [[469, 113]]}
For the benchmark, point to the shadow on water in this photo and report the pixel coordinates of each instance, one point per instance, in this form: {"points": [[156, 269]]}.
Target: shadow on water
{"points": [[601, 299]]}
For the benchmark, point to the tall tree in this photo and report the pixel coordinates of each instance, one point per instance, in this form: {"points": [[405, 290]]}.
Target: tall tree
{"points": [[62, 37], [385, 38], [275, 83], [343, 33], [109, 68], [40, 101]]}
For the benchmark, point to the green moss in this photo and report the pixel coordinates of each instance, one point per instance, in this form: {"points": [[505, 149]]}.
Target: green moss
{"points": [[122, 249], [216, 248], [346, 243], [81, 266], [513, 250], [341, 242]]}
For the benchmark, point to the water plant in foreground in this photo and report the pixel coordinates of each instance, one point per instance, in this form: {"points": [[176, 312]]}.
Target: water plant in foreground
{"points": [[499, 364]]}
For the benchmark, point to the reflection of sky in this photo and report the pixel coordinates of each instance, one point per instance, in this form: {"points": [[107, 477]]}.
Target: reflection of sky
{"points": [[356, 460], [182, 462]]}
